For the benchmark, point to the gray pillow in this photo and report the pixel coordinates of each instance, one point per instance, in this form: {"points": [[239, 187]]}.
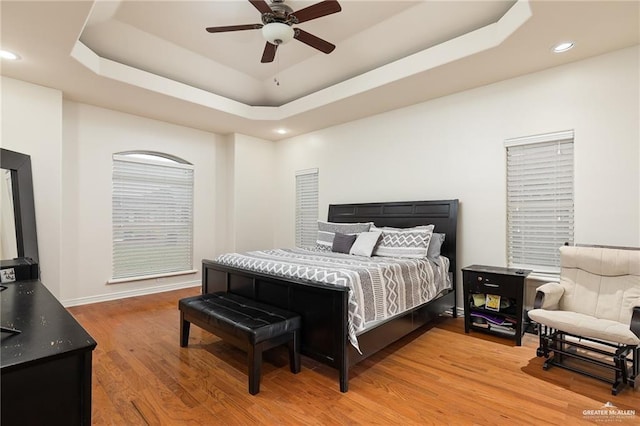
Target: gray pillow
{"points": [[365, 243], [342, 242], [433, 252]]}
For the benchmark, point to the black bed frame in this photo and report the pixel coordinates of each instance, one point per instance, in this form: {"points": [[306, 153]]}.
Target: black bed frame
{"points": [[324, 307]]}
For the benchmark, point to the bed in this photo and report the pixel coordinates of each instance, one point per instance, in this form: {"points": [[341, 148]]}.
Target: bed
{"points": [[325, 308]]}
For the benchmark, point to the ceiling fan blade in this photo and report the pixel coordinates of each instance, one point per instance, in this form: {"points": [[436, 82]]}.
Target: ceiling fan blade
{"points": [[261, 5], [313, 41], [269, 52], [234, 28], [317, 10]]}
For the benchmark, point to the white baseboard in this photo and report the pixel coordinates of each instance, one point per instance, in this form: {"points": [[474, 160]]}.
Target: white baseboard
{"points": [[129, 293]]}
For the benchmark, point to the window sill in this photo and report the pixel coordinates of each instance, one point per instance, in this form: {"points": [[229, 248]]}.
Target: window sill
{"points": [[545, 277], [150, 277]]}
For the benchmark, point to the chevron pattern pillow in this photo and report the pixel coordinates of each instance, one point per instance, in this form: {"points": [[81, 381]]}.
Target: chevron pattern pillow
{"points": [[404, 242], [327, 231]]}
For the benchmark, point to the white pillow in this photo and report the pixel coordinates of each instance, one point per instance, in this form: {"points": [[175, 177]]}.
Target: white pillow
{"points": [[365, 243]]}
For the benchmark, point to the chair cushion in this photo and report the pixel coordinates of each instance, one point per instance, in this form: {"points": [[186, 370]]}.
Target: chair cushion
{"points": [[600, 282], [586, 326]]}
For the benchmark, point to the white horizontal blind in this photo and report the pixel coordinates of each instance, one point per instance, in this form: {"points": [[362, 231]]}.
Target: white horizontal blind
{"points": [[306, 207], [152, 217], [539, 200]]}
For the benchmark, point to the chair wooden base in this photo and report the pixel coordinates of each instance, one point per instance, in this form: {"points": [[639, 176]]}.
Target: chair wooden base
{"points": [[622, 360]]}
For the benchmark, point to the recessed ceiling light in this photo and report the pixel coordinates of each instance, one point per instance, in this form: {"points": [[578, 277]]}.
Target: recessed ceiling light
{"points": [[282, 131], [5, 54], [563, 47]]}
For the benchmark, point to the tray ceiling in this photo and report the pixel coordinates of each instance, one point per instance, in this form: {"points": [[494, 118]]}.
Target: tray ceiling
{"points": [[155, 59]]}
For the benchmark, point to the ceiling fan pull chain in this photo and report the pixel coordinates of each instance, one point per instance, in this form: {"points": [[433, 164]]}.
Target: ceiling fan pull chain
{"points": [[275, 79]]}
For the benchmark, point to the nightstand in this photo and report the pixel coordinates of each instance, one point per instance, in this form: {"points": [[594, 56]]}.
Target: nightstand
{"points": [[494, 300]]}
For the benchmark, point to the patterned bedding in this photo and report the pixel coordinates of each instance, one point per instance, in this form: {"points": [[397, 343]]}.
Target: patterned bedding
{"points": [[380, 287]]}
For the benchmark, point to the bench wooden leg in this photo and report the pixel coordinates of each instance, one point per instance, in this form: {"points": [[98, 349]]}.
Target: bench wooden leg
{"points": [[294, 352], [200, 310], [184, 331], [255, 367]]}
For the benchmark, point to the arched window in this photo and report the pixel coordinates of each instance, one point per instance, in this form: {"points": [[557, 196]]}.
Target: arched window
{"points": [[152, 215]]}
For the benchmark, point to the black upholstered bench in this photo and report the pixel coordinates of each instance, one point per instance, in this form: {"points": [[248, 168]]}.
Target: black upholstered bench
{"points": [[245, 323]]}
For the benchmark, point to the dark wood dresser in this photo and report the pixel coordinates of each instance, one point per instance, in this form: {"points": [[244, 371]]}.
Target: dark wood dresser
{"points": [[46, 368]]}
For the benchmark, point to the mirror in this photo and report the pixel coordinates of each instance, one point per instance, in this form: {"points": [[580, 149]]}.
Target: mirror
{"points": [[8, 243], [17, 192]]}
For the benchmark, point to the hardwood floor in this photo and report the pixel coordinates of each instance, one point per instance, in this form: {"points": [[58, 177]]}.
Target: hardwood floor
{"points": [[438, 375]]}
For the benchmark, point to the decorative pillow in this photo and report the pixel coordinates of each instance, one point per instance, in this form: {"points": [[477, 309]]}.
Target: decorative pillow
{"points": [[404, 242], [433, 251], [365, 243], [342, 242], [327, 230]]}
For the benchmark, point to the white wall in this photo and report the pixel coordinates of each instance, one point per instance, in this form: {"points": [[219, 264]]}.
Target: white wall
{"points": [[91, 136], [71, 146], [251, 193], [31, 124], [452, 147]]}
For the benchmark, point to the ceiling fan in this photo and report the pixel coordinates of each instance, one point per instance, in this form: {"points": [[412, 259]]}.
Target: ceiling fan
{"points": [[277, 25]]}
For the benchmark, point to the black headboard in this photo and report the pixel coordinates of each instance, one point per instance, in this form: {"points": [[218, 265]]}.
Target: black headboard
{"points": [[441, 213]]}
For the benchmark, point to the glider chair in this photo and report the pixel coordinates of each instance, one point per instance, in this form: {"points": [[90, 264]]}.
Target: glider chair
{"points": [[590, 320]]}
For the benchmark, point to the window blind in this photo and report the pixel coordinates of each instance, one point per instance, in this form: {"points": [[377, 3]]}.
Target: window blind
{"points": [[152, 217], [306, 207], [540, 205]]}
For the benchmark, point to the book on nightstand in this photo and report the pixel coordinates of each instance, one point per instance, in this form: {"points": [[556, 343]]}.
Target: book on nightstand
{"points": [[492, 302]]}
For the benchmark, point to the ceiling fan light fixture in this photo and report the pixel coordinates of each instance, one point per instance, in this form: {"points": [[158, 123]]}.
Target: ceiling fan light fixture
{"points": [[277, 24], [277, 33]]}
